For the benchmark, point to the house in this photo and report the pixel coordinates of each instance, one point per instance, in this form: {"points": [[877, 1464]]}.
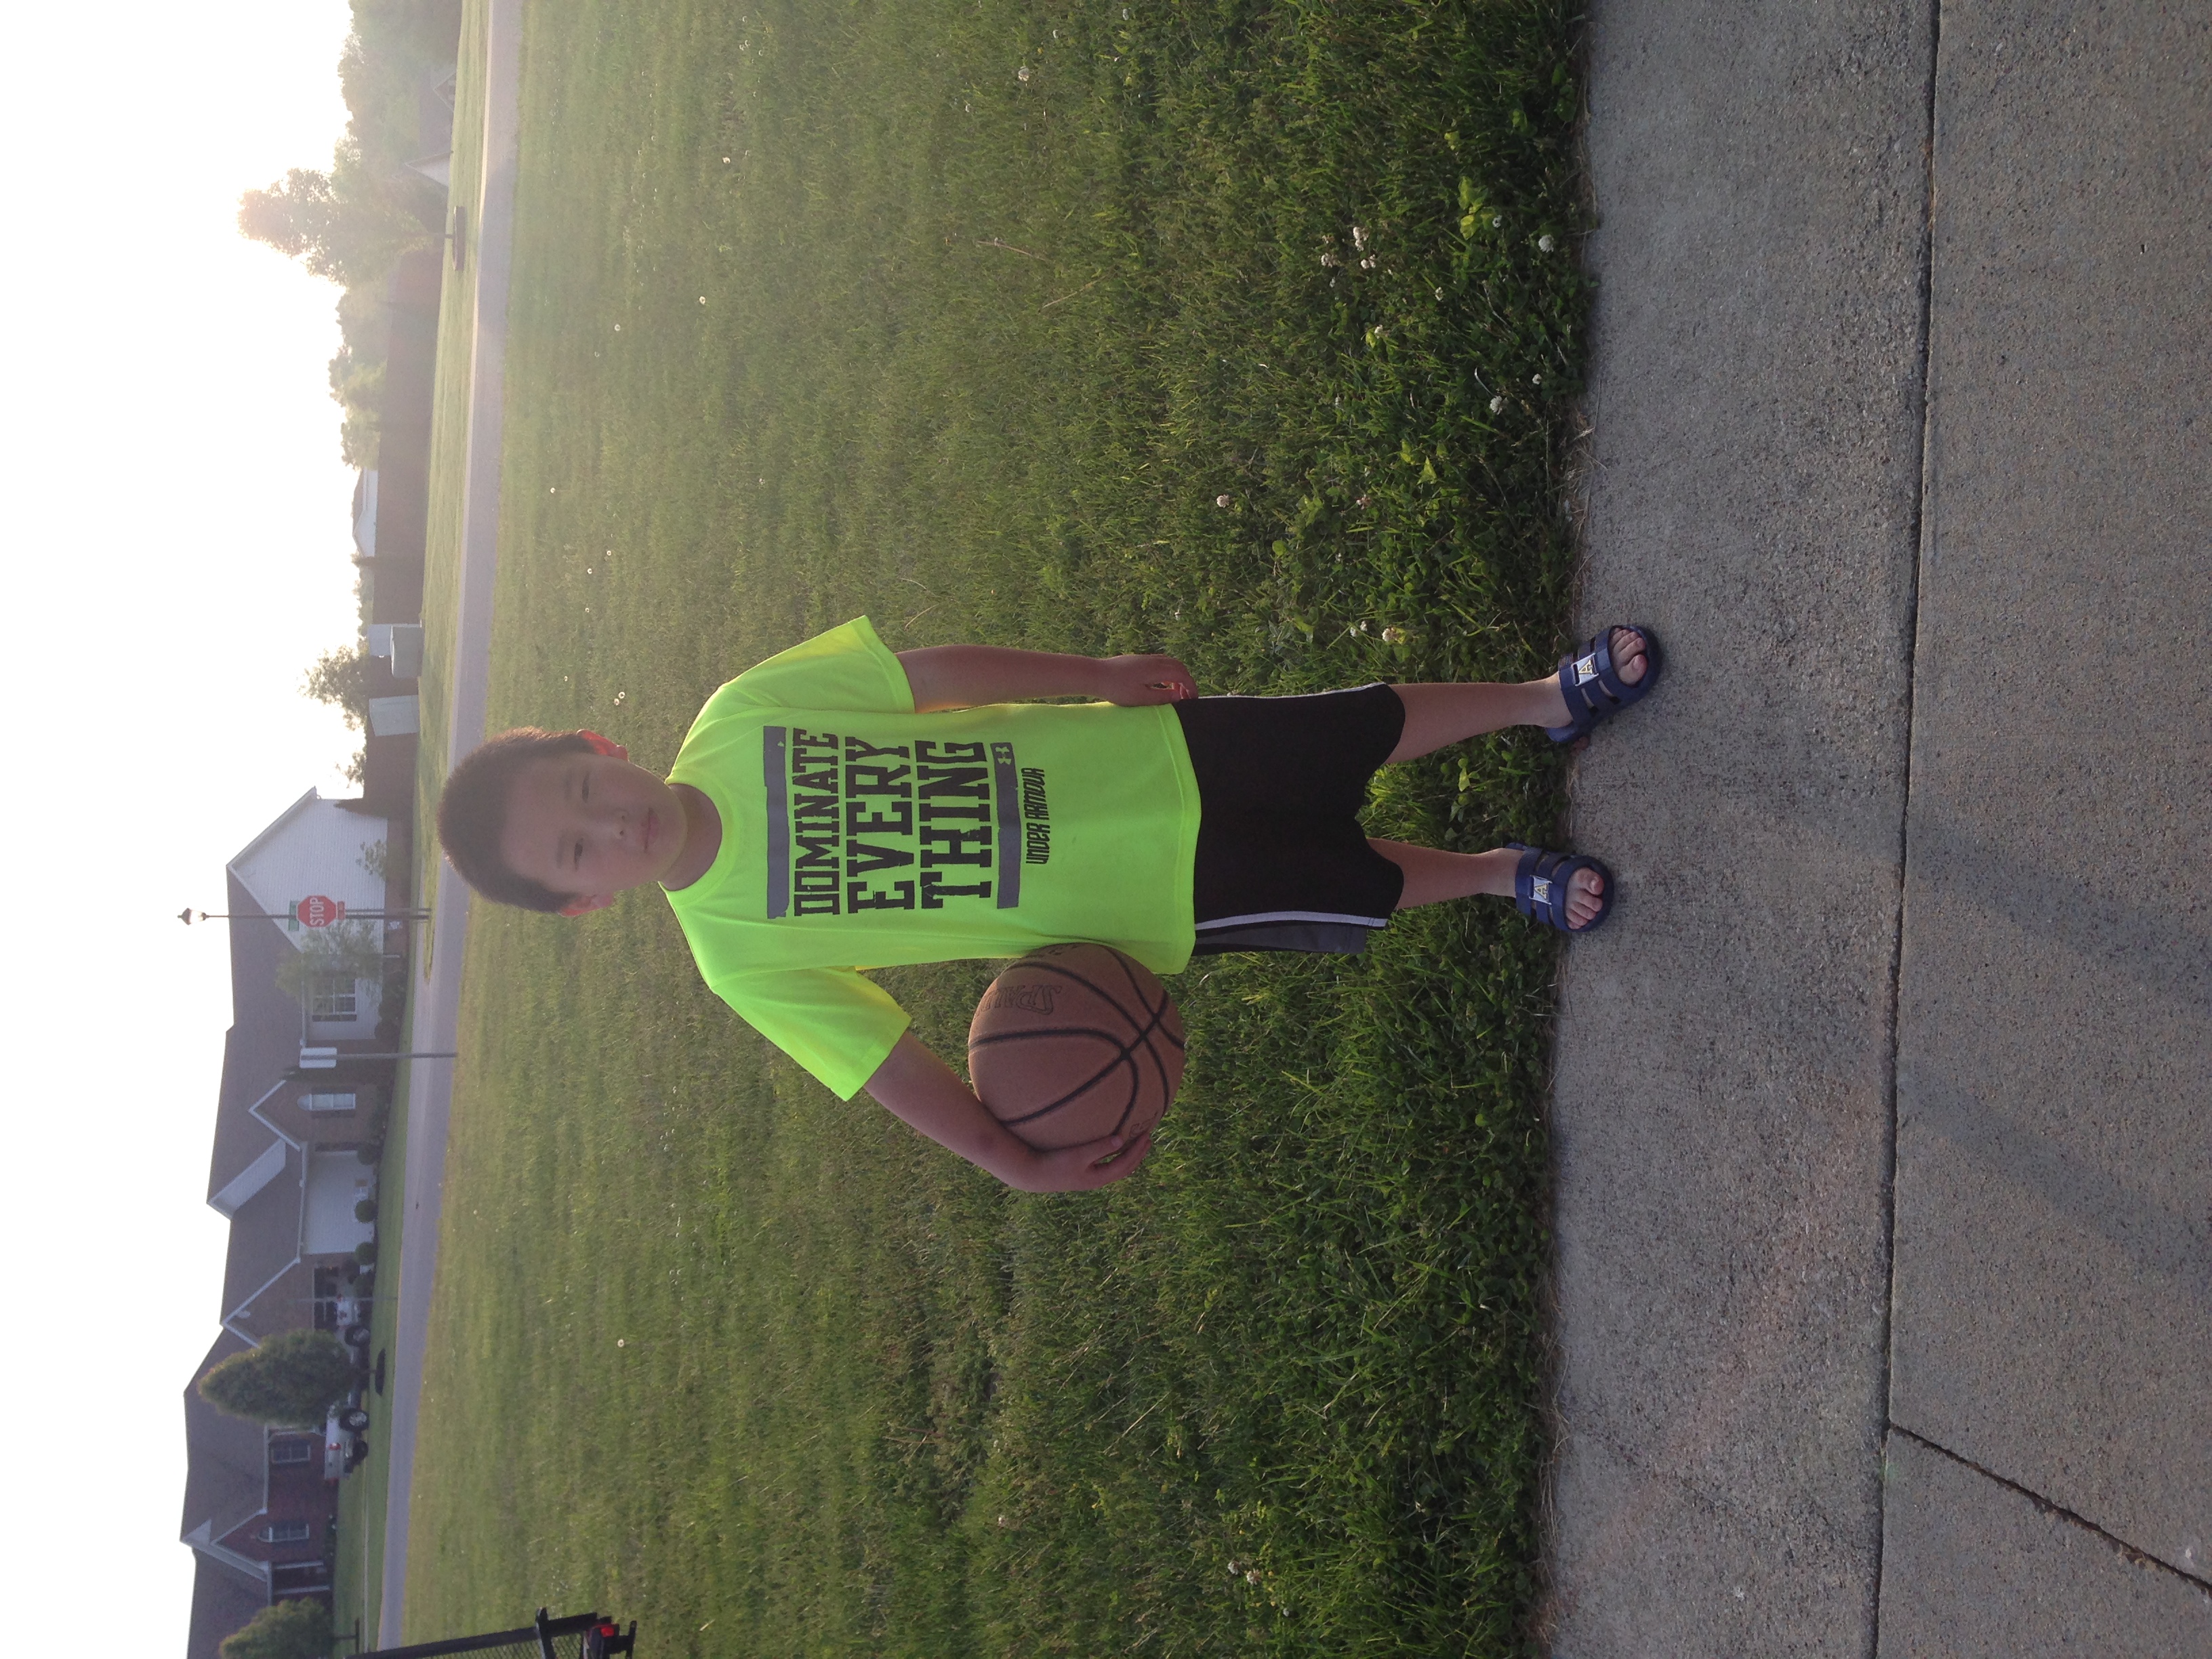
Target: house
{"points": [[434, 127], [258, 1513], [331, 847], [286, 1169], [293, 1157], [364, 515]]}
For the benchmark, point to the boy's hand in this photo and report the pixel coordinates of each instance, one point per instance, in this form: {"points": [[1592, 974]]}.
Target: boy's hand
{"points": [[1077, 1169], [918, 1088], [963, 675], [1138, 682]]}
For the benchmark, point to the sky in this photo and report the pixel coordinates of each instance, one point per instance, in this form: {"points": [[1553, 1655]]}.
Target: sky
{"points": [[174, 534]]}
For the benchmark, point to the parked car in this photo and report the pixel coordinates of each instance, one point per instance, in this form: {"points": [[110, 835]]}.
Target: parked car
{"points": [[343, 1445], [337, 1444], [350, 1317]]}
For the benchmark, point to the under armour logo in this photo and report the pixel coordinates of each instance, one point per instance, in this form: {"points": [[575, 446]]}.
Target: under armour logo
{"points": [[1585, 670]]}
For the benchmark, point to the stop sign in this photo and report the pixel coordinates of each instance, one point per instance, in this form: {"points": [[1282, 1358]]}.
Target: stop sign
{"points": [[317, 910]]}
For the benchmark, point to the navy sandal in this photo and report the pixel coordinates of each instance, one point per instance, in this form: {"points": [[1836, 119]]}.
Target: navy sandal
{"points": [[1540, 886], [1594, 691]]}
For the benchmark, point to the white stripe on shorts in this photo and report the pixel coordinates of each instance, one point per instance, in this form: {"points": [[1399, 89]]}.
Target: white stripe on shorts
{"points": [[1294, 916]]}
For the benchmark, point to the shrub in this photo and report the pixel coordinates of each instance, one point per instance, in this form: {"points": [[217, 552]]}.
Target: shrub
{"points": [[284, 1630], [289, 1381], [365, 1252], [364, 1210]]}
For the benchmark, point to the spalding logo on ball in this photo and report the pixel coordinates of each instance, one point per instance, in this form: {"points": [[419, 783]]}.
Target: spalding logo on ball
{"points": [[1074, 1043]]}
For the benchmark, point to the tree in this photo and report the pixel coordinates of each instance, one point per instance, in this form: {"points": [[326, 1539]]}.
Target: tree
{"points": [[335, 956], [340, 677], [284, 1630], [289, 1382], [351, 224]]}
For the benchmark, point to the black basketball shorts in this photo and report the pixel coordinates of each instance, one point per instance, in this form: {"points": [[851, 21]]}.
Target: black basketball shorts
{"points": [[1283, 864]]}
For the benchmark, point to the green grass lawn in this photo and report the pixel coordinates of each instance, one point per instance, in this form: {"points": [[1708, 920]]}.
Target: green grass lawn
{"points": [[1245, 331]]}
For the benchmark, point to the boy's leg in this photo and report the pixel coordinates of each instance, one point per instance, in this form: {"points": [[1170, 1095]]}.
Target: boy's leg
{"points": [[1437, 715], [1433, 875]]}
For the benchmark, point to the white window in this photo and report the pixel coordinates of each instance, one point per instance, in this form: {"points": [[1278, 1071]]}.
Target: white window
{"points": [[287, 1532], [291, 1451], [329, 1100], [334, 997]]}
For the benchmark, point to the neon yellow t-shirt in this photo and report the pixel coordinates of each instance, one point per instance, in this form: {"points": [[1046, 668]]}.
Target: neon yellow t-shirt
{"points": [[858, 834]]}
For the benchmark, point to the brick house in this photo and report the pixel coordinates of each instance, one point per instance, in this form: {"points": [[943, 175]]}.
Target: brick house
{"points": [[256, 1515]]}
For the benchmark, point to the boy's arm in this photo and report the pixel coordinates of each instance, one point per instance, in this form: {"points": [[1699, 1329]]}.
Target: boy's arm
{"points": [[915, 1087], [963, 675]]}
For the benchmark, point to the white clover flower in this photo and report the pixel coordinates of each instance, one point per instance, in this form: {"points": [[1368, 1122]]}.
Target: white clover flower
{"points": [[1362, 501], [1330, 259], [1221, 500], [1358, 237], [1497, 220], [1546, 243], [1440, 293], [1393, 636], [1535, 379], [1368, 264], [1498, 405], [1022, 73]]}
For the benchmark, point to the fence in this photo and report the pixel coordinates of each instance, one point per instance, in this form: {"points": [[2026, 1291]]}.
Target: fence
{"points": [[577, 1636]]}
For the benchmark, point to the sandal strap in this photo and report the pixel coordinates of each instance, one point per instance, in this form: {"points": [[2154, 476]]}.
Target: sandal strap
{"points": [[1590, 682]]}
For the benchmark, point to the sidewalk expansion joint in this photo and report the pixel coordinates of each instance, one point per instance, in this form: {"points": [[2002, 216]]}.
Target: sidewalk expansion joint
{"points": [[1919, 534], [2134, 1556]]}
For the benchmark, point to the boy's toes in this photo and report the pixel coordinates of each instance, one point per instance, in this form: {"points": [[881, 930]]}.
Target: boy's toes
{"points": [[1585, 894], [1628, 653]]}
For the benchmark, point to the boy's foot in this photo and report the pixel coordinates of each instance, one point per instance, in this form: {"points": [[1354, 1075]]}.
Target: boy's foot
{"points": [[1629, 662], [1566, 891]]}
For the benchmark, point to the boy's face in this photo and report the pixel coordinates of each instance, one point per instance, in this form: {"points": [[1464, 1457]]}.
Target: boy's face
{"points": [[592, 826]]}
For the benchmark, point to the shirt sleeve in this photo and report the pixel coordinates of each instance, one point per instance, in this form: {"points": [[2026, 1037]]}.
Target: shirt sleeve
{"points": [[848, 668], [840, 1026]]}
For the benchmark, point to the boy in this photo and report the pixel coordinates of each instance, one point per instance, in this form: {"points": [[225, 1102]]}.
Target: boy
{"points": [[838, 807]]}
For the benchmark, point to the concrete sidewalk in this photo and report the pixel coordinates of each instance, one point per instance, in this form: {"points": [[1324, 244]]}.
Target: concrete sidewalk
{"points": [[437, 1014], [1884, 1157]]}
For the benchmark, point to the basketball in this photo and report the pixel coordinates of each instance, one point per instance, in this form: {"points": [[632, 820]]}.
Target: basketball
{"points": [[1075, 1043]]}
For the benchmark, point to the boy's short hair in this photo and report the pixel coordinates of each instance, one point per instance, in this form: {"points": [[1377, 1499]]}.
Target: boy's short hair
{"points": [[472, 813]]}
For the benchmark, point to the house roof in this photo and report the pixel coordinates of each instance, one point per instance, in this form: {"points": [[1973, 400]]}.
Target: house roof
{"points": [[263, 1043], [224, 1602], [264, 1241], [226, 1459], [273, 826]]}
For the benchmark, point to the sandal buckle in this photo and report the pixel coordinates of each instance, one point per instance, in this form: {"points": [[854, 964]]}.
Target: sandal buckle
{"points": [[1541, 890], [1585, 670]]}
